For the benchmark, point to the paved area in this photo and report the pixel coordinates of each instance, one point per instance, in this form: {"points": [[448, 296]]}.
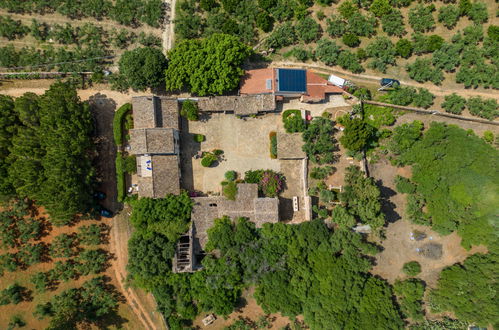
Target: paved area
{"points": [[292, 169], [245, 143], [316, 109]]}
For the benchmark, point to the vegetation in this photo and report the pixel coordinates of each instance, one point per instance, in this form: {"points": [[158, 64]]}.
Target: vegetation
{"points": [[412, 268], [473, 280], [120, 177], [463, 198], [208, 159], [55, 131], [358, 134], [273, 145], [410, 296], [270, 183], [190, 110], [118, 122], [143, 68], [319, 143], [454, 103], [207, 66], [293, 121]]}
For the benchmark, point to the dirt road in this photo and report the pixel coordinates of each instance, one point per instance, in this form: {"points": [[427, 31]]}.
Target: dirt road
{"points": [[370, 80], [168, 29]]}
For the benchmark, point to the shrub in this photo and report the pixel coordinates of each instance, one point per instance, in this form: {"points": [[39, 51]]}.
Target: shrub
{"points": [[351, 40], [422, 70], [231, 176], [131, 164], [199, 138], [402, 95], [336, 26], [449, 15], [64, 246], [308, 30], [327, 51], [350, 61], [421, 18], [119, 115], [273, 145], [382, 52], [423, 99], [404, 48], [90, 235], [485, 108], [293, 122], [270, 183], [320, 173], [190, 110], [412, 268], [478, 13], [120, 177], [208, 159], [393, 23], [488, 136], [229, 190], [404, 185], [264, 21], [282, 36], [454, 103]]}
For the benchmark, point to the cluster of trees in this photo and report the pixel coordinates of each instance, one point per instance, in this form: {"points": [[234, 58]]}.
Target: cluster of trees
{"points": [[453, 177], [140, 69], [474, 65], [88, 34], [290, 267], [293, 121], [469, 290], [124, 12], [95, 300], [421, 98], [45, 153], [318, 141], [270, 183], [207, 66], [485, 108]]}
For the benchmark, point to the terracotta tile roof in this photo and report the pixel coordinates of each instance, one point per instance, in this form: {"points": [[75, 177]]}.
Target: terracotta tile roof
{"points": [[247, 204], [255, 81]]}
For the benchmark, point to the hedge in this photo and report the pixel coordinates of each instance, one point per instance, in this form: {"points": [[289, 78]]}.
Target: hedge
{"points": [[273, 145], [119, 117], [120, 176]]}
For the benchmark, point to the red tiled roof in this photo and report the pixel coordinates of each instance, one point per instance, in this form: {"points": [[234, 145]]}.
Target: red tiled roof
{"points": [[255, 81]]}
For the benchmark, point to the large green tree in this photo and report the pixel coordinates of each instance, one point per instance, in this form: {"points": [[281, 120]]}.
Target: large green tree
{"points": [[206, 66], [143, 68]]}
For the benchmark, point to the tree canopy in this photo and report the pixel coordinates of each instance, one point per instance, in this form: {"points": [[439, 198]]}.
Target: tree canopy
{"points": [[143, 68], [207, 66]]}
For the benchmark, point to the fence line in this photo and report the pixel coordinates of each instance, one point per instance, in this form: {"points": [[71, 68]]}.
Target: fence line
{"points": [[432, 112]]}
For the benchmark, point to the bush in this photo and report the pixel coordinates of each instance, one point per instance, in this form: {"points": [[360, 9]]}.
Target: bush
{"points": [[90, 235], [327, 51], [273, 145], [190, 110], [199, 138], [208, 159], [336, 26], [351, 40], [382, 52], [404, 48], [393, 23], [412, 268], [270, 183], [402, 95], [423, 99], [449, 15], [119, 115], [320, 173], [293, 122], [143, 68], [264, 21], [350, 61], [422, 70], [485, 108], [454, 103], [421, 18], [282, 36], [319, 143], [478, 13], [404, 185], [488, 136], [308, 30], [229, 190], [120, 177], [231, 176]]}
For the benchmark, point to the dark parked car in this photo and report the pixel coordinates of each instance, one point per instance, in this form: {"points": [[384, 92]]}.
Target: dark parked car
{"points": [[99, 195], [105, 213], [389, 82]]}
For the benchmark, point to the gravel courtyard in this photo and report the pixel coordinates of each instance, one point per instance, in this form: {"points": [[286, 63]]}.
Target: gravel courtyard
{"points": [[245, 143]]}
